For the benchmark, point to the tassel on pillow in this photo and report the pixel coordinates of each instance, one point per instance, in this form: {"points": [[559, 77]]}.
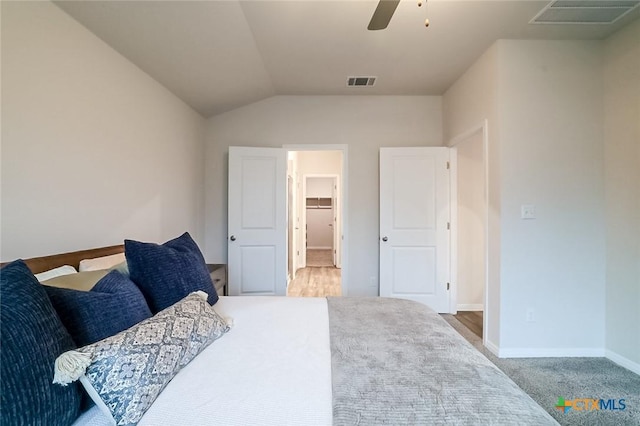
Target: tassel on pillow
{"points": [[201, 293], [70, 366]]}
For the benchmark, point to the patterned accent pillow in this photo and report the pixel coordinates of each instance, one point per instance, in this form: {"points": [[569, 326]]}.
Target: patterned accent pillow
{"points": [[114, 304], [125, 373], [166, 273]]}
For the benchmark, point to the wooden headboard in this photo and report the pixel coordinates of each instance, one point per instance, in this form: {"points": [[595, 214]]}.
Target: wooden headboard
{"points": [[41, 264]]}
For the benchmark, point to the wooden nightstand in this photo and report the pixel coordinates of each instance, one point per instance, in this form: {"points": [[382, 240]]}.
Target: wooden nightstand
{"points": [[218, 274]]}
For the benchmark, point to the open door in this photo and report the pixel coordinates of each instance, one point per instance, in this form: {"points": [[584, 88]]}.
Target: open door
{"points": [[257, 259], [414, 225], [337, 233]]}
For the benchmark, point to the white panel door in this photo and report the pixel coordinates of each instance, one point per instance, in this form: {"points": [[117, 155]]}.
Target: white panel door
{"points": [[335, 224], [414, 217], [257, 260]]}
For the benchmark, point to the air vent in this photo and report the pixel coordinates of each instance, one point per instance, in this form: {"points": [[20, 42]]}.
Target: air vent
{"points": [[361, 81], [584, 12]]}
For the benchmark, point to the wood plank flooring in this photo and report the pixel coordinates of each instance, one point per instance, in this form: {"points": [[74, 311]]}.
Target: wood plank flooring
{"points": [[472, 320], [319, 257], [316, 282]]}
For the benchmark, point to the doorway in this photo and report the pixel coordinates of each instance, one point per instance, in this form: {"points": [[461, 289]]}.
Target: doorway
{"points": [[320, 220], [469, 237], [315, 218]]}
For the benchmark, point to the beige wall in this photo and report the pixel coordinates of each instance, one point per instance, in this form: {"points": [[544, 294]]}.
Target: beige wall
{"points": [[93, 149], [622, 180], [364, 123], [319, 162]]}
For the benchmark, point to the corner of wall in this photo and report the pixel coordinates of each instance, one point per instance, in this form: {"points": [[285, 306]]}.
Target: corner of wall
{"points": [[622, 185]]}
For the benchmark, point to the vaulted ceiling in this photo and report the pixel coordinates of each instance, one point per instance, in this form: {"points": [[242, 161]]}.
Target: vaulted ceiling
{"points": [[219, 55]]}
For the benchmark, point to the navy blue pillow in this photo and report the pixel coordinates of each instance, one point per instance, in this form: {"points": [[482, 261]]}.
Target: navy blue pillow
{"points": [[167, 273], [114, 304], [32, 338]]}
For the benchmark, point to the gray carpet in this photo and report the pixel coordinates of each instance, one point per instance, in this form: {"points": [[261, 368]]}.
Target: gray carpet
{"points": [[546, 379]]}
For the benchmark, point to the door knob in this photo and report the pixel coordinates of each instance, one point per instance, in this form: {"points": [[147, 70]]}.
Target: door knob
{"points": [[232, 238], [385, 239]]}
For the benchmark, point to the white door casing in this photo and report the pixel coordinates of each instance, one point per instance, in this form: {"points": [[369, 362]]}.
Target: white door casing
{"points": [[414, 221], [335, 223], [257, 246]]}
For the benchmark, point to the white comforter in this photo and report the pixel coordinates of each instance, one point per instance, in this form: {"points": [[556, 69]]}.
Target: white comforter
{"points": [[272, 368]]}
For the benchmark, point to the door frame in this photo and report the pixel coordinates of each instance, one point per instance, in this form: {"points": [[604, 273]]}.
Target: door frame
{"points": [[482, 128], [337, 209], [344, 202]]}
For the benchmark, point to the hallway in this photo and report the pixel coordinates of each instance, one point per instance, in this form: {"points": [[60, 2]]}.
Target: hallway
{"points": [[316, 281]]}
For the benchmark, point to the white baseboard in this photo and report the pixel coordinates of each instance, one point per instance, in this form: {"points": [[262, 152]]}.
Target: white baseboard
{"points": [[318, 248], [470, 307], [492, 348], [622, 361], [550, 352]]}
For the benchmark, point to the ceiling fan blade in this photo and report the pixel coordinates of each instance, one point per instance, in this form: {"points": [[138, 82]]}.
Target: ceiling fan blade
{"points": [[383, 14]]}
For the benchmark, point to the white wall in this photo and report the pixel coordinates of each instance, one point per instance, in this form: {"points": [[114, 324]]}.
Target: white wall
{"points": [[550, 97], [319, 233], [471, 223], [622, 183], [543, 103], [364, 123], [471, 101], [93, 149]]}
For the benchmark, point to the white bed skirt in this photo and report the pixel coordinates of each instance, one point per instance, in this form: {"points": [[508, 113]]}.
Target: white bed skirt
{"points": [[272, 368]]}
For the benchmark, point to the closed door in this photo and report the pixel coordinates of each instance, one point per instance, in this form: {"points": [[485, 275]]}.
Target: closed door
{"points": [[257, 260], [414, 222]]}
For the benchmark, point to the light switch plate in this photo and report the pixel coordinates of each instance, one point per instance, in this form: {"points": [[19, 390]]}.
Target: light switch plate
{"points": [[527, 211]]}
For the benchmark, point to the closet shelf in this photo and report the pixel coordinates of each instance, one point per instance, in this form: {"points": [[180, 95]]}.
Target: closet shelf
{"points": [[319, 203]]}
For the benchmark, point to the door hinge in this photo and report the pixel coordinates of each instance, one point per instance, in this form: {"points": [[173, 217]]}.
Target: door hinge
{"points": [[448, 165], [448, 225], [447, 286]]}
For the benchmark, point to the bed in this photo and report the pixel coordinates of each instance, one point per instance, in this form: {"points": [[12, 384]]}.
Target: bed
{"points": [[341, 361]]}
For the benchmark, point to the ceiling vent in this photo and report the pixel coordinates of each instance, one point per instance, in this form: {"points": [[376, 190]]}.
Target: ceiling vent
{"points": [[584, 12], [361, 81]]}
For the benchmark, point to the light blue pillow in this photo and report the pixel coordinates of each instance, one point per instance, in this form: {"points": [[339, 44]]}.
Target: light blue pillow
{"points": [[126, 372]]}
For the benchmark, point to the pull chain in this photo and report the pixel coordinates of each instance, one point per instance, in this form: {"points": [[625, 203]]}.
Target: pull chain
{"points": [[426, 21]]}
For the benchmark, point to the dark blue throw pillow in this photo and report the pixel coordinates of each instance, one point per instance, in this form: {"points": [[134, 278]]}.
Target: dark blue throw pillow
{"points": [[167, 273], [114, 304], [32, 338]]}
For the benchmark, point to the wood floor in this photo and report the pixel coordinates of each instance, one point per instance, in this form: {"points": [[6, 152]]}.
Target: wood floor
{"points": [[319, 257], [314, 281], [472, 320]]}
